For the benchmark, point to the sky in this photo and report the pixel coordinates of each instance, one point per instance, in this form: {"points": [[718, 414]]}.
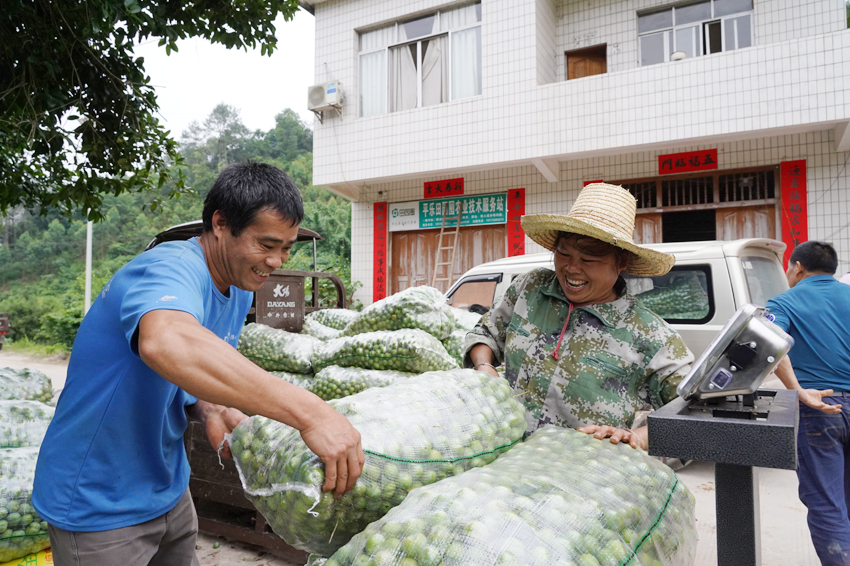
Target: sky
{"points": [[191, 82]]}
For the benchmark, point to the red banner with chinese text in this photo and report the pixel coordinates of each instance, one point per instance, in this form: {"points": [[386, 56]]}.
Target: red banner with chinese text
{"points": [[379, 259], [516, 235], [795, 210], [444, 188], [687, 162]]}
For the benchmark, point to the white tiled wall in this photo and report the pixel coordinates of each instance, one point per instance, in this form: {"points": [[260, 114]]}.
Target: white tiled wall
{"points": [[614, 22], [546, 41], [800, 83], [828, 178]]}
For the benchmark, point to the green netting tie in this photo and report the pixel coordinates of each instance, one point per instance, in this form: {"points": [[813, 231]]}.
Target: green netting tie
{"points": [[654, 525], [497, 449]]}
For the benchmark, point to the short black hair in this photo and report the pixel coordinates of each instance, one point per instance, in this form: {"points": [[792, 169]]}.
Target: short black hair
{"points": [[816, 257], [244, 189]]}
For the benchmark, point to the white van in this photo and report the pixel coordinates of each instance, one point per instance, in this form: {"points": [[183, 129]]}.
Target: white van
{"points": [[708, 283]]}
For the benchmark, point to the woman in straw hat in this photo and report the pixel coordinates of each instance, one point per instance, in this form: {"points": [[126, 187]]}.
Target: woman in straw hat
{"points": [[579, 350]]}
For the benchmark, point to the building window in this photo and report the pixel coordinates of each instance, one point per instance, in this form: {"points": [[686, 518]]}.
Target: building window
{"points": [[695, 29], [587, 62], [421, 62]]}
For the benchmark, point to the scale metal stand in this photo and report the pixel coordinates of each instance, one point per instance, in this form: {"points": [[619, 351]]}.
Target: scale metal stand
{"points": [[721, 416], [739, 435]]}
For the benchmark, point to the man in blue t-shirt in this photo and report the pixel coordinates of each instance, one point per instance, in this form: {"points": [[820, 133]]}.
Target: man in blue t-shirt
{"points": [[815, 312], [159, 343]]}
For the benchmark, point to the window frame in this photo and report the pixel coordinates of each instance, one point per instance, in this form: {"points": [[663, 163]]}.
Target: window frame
{"points": [[395, 43], [701, 30]]}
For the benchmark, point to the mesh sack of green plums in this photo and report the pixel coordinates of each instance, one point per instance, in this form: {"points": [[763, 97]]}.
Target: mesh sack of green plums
{"points": [[464, 319], [454, 345], [301, 380], [23, 423], [277, 350], [25, 383], [22, 531], [421, 307], [414, 433], [319, 330], [561, 497], [334, 318], [334, 382], [410, 350], [682, 298]]}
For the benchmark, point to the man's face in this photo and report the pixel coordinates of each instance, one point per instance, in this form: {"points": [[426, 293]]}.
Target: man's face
{"points": [[263, 246]]}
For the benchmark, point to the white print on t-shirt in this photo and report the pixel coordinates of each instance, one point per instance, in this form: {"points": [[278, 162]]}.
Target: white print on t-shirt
{"points": [[230, 338], [105, 289], [166, 298]]}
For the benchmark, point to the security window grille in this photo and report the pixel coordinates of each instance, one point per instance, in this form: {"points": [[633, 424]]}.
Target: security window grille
{"points": [[428, 60], [687, 192], [695, 29], [692, 191], [747, 186], [644, 193]]}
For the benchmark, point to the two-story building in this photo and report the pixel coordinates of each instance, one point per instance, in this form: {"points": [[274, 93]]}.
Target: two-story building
{"points": [[725, 118]]}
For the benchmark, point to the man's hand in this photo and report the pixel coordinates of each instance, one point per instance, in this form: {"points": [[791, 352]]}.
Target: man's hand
{"points": [[814, 399], [337, 443], [218, 421], [637, 438]]}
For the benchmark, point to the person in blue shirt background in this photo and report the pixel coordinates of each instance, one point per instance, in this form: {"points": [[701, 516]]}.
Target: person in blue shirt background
{"points": [[815, 311], [157, 344]]}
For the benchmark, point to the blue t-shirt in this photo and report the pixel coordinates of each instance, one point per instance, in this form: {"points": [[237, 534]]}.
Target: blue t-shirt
{"points": [[815, 312], [114, 456]]}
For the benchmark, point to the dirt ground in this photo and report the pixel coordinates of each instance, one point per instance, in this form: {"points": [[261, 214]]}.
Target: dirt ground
{"points": [[784, 533]]}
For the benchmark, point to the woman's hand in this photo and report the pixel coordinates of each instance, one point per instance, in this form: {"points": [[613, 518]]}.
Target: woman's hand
{"points": [[637, 438]]}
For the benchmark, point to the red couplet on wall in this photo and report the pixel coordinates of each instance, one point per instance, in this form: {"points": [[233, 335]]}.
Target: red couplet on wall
{"points": [[379, 259], [687, 162], [586, 183], [795, 210], [444, 188], [516, 235]]}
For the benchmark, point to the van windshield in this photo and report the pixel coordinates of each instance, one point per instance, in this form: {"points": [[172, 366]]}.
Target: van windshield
{"points": [[765, 279], [683, 295]]}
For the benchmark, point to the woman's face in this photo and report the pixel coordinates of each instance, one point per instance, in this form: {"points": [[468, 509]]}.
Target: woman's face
{"points": [[587, 269]]}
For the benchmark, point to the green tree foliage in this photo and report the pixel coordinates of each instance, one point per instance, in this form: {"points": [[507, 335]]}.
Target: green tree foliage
{"points": [[42, 258], [77, 111]]}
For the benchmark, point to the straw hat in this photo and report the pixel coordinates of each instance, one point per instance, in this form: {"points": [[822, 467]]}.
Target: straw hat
{"points": [[605, 212]]}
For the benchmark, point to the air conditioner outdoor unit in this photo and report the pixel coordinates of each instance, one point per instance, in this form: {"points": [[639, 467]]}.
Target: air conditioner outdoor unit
{"points": [[325, 97]]}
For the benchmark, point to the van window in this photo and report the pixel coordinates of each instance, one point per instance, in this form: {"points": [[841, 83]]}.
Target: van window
{"points": [[765, 279], [684, 295], [478, 290]]}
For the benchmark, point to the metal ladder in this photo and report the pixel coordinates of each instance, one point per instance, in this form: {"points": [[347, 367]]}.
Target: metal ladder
{"points": [[443, 248]]}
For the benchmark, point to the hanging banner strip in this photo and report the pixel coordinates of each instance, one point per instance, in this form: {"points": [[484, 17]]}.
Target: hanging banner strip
{"points": [[795, 210], [379, 259], [444, 188], [516, 235]]}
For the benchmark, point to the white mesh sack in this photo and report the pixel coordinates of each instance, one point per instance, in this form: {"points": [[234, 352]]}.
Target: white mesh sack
{"points": [[22, 531], [334, 382], [561, 497], [421, 307], [414, 433], [319, 330], [277, 350], [335, 318], [409, 350], [23, 423], [25, 383]]}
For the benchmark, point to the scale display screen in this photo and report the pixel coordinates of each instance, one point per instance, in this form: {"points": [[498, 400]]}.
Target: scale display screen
{"points": [[744, 352]]}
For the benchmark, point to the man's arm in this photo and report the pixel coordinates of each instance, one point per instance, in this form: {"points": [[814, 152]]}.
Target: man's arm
{"points": [[185, 353], [811, 397]]}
